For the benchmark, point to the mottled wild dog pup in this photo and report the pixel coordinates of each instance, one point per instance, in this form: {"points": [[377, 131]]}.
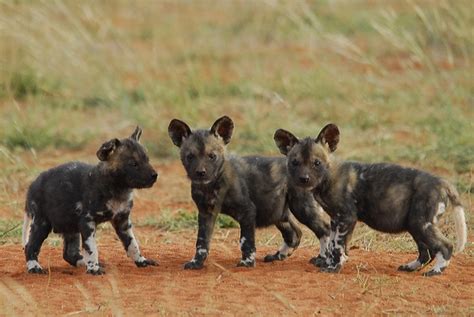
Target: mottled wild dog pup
{"points": [[253, 190], [71, 199], [387, 197]]}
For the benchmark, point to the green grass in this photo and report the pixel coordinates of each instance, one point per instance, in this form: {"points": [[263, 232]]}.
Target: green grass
{"points": [[10, 231], [396, 77]]}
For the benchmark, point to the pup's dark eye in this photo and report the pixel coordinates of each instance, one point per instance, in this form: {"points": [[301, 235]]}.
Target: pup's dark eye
{"points": [[134, 163], [212, 156], [295, 162], [190, 157], [317, 163]]}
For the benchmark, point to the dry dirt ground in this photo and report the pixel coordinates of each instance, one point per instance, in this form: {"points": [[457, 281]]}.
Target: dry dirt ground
{"points": [[368, 284]]}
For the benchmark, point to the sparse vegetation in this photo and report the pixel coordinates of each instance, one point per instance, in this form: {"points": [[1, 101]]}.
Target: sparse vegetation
{"points": [[173, 221], [379, 72], [396, 76], [10, 231]]}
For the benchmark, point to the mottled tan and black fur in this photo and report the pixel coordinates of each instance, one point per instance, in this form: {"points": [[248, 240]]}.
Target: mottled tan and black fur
{"points": [[387, 197], [254, 190]]}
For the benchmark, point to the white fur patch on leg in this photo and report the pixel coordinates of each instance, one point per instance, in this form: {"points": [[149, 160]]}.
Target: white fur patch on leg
{"points": [[91, 258], [440, 263], [202, 251], [413, 265], [285, 249], [242, 241], [33, 264], [323, 246], [339, 247], [249, 260], [133, 250]]}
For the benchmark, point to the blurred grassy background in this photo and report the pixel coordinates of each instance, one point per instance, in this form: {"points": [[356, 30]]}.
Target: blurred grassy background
{"points": [[396, 76]]}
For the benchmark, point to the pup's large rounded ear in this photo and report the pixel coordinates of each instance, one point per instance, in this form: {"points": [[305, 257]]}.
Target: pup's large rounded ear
{"points": [[329, 136], [136, 134], [223, 128], [178, 131], [107, 149], [285, 141]]}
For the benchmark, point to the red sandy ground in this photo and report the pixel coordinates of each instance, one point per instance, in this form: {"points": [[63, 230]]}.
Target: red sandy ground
{"points": [[368, 284]]}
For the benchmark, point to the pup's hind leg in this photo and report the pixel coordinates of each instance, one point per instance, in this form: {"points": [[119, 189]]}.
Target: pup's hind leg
{"points": [[439, 246], [291, 240], [423, 259], [87, 228], [72, 249], [40, 229], [247, 243]]}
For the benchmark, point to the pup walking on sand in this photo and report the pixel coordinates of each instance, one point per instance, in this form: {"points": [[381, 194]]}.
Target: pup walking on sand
{"points": [[71, 199], [387, 197]]}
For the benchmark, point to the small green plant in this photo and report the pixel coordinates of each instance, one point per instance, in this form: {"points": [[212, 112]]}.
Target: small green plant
{"points": [[23, 84], [9, 231]]}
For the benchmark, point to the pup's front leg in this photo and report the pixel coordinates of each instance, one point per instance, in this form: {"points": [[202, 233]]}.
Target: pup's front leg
{"points": [[91, 254], [206, 222], [123, 227], [247, 244], [336, 253]]}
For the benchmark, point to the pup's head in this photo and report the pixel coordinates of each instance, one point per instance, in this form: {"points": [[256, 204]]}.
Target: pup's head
{"points": [[127, 161], [308, 159], [202, 151]]}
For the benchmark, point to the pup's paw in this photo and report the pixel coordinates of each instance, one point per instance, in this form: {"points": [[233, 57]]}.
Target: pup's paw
{"points": [[246, 263], [146, 262], [318, 261], [433, 272], [274, 257], [331, 268], [98, 271], [37, 270], [193, 265], [406, 268]]}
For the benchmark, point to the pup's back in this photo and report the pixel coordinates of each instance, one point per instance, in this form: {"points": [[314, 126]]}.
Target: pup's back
{"points": [[387, 195]]}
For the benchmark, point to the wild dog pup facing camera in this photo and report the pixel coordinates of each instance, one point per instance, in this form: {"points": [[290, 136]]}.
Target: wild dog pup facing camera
{"points": [[253, 190], [387, 197], [71, 199]]}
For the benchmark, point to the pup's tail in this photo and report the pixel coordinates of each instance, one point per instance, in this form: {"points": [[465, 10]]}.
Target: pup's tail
{"points": [[459, 217], [25, 233]]}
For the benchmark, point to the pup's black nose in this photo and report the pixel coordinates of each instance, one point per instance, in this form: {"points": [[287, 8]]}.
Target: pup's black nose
{"points": [[201, 173], [304, 179], [154, 176]]}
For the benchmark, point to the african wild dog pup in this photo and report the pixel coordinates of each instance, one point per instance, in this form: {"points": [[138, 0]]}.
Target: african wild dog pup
{"points": [[387, 197], [71, 199], [254, 190]]}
